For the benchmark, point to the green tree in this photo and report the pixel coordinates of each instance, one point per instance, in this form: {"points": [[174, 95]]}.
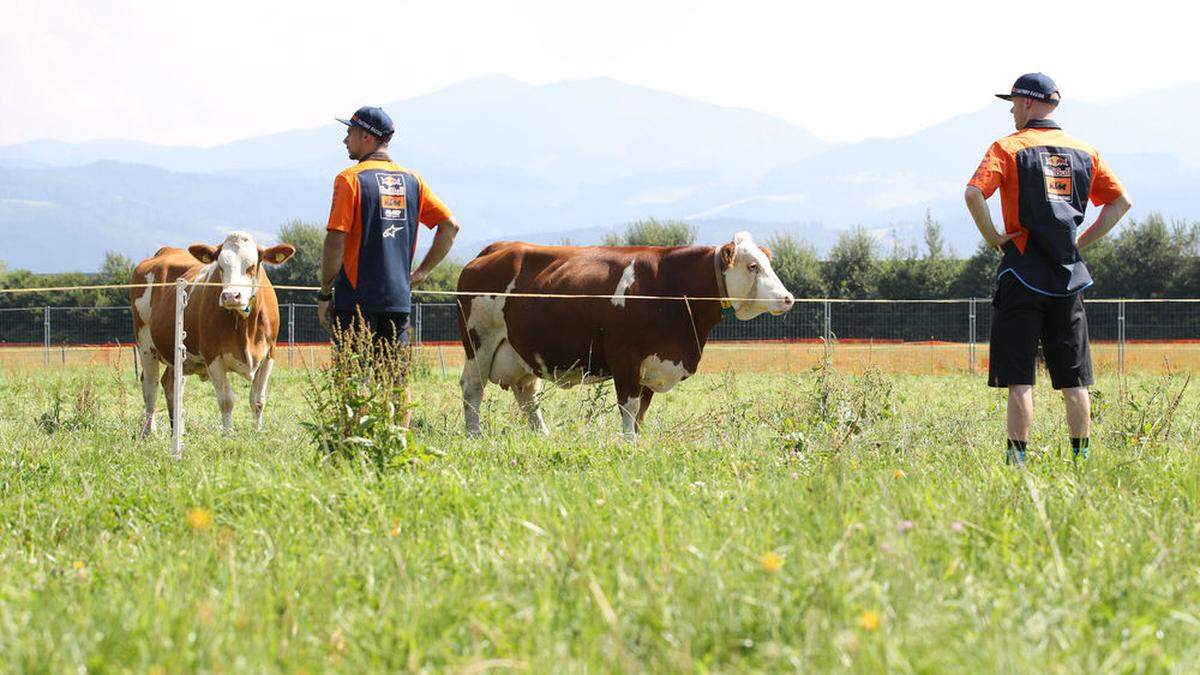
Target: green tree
{"points": [[796, 264], [116, 269], [852, 270], [653, 232], [976, 276], [304, 268]]}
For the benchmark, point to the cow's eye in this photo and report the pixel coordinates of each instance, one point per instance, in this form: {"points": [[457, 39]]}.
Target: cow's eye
{"points": [[753, 267]]}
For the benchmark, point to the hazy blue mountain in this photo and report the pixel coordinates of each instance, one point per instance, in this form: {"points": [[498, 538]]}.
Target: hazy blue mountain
{"points": [[567, 160]]}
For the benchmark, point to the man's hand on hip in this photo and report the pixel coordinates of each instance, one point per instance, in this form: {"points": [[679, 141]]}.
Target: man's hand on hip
{"points": [[417, 277], [1001, 239]]}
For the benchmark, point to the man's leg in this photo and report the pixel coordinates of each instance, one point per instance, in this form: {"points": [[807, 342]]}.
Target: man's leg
{"points": [[391, 328], [1020, 421], [1079, 418], [1069, 360], [1012, 363]]}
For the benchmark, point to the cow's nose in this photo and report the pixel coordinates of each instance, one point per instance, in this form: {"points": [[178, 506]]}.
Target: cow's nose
{"points": [[788, 301], [231, 297]]}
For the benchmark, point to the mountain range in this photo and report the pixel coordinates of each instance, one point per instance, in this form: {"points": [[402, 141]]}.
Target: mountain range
{"points": [[571, 160]]}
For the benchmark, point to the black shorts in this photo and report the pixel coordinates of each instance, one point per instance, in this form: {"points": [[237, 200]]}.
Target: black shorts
{"points": [[1021, 319], [386, 326]]}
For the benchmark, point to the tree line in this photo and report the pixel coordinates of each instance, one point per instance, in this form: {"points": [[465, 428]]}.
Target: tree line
{"points": [[1148, 258]]}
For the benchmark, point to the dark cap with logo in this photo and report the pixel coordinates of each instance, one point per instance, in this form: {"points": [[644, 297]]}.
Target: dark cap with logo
{"points": [[1037, 86], [374, 120]]}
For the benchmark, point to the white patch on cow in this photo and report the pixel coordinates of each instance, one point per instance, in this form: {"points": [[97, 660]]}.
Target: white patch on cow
{"points": [[239, 254], [496, 360], [660, 375], [618, 299], [142, 307], [754, 282]]}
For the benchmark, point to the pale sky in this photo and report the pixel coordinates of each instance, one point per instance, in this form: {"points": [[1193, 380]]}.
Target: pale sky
{"points": [[202, 73]]}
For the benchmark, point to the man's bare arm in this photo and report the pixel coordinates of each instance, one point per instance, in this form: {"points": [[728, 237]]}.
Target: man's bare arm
{"points": [[977, 205], [331, 258], [447, 230], [1110, 215], [331, 263]]}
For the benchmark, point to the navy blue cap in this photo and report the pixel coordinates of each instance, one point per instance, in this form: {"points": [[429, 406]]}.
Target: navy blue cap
{"points": [[1037, 86], [373, 119]]}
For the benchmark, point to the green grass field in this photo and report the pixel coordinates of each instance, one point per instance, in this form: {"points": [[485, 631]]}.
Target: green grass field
{"points": [[763, 522]]}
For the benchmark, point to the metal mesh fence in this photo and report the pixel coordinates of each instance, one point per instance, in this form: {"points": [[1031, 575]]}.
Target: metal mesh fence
{"points": [[1142, 332]]}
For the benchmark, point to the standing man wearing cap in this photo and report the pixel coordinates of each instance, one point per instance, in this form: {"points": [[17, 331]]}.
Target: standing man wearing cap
{"points": [[371, 238], [1045, 179]]}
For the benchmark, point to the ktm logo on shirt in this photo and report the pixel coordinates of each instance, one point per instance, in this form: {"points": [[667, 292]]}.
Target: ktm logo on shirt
{"points": [[1056, 168]]}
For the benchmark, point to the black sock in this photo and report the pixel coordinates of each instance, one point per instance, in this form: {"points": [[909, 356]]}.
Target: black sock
{"points": [[1017, 445], [1079, 444]]}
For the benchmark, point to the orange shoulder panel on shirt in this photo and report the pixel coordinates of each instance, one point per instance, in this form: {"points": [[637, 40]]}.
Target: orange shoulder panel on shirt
{"points": [[1105, 186], [432, 210], [344, 209]]}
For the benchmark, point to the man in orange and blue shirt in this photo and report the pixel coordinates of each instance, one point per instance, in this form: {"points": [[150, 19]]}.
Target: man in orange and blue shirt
{"points": [[371, 238], [1045, 178]]}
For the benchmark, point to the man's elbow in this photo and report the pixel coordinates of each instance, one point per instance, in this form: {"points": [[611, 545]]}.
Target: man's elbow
{"points": [[1126, 203], [448, 227]]}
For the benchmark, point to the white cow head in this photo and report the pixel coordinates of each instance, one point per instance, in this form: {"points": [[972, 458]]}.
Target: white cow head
{"points": [[748, 275], [235, 265]]}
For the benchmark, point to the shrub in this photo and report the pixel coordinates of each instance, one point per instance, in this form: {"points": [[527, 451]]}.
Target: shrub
{"points": [[359, 403]]}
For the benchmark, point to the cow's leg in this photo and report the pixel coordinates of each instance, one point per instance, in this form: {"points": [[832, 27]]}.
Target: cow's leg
{"points": [[258, 391], [168, 386], [220, 382], [647, 396], [526, 393], [472, 383], [629, 400], [150, 368]]}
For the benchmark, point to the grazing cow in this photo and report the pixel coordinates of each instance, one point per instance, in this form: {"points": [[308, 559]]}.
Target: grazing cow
{"points": [[644, 345], [230, 328]]}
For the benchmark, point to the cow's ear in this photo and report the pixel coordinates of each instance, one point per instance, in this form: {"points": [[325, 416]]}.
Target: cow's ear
{"points": [[766, 251], [203, 252], [728, 252], [277, 254]]}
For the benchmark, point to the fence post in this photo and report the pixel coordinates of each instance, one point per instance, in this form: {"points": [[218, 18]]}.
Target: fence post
{"points": [[1121, 338], [971, 336], [828, 334], [291, 333], [46, 335], [181, 298], [420, 319]]}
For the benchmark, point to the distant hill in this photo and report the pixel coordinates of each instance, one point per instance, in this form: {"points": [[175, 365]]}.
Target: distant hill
{"points": [[572, 159]]}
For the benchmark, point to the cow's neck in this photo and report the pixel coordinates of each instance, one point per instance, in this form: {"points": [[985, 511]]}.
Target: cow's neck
{"points": [[699, 280]]}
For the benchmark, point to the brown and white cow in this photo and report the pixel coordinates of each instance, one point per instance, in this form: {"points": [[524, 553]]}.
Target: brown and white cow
{"points": [[230, 328], [645, 346]]}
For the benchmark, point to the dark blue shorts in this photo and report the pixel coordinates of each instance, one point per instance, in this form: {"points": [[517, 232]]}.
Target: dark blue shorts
{"points": [[386, 326]]}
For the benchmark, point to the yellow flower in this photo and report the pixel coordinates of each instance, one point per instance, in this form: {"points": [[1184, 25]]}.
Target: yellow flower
{"points": [[199, 519], [771, 562], [869, 620], [78, 564], [337, 642], [898, 474]]}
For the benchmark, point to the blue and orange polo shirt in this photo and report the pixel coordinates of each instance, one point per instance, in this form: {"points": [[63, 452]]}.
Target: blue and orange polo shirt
{"points": [[1046, 179], [378, 204]]}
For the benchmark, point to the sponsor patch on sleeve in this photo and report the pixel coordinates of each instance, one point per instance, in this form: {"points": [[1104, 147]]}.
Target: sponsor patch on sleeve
{"points": [[1056, 169]]}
